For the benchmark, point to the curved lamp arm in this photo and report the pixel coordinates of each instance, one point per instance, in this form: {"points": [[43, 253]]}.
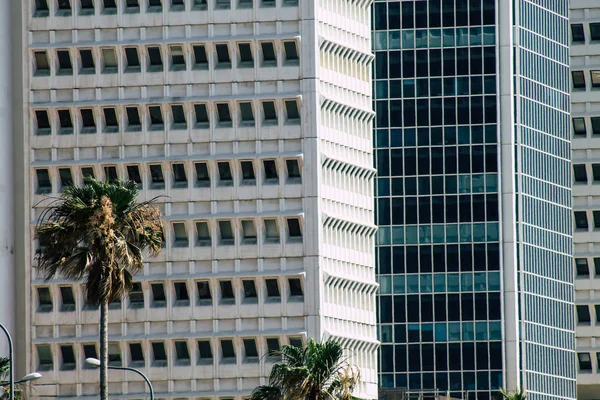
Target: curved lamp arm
{"points": [[94, 362]]}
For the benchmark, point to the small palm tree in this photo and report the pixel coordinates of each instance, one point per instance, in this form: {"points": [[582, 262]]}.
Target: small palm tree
{"points": [[99, 232], [4, 371], [318, 371], [518, 394]]}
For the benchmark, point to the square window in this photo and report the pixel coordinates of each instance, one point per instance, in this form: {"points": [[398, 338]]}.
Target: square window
{"points": [[154, 5], [223, 57], [43, 122], [111, 124], [595, 125], [155, 59], [294, 228], [202, 175], [133, 59], [583, 315], [579, 172], [246, 52], [110, 173], [177, 58], [87, 119], [250, 348], [596, 215], [66, 178], [226, 232], [64, 62], [136, 295], [577, 33], [249, 231], [595, 31], [596, 172], [89, 351], [66, 124], [224, 114], [133, 173], [132, 6], [204, 291], [273, 347], [204, 351], [156, 118], [249, 289], [64, 5], [179, 176], [201, 60], [270, 115], [68, 358], [180, 234], [179, 121], [247, 114], [270, 170], [159, 353], [295, 287], [268, 52], [156, 173], [203, 234], [41, 8], [137, 354], [201, 116], [226, 291], [581, 221], [581, 266], [227, 348], [291, 51], [42, 66], [291, 108], [44, 184], [578, 79], [296, 342], [109, 56], [272, 288], [44, 299], [110, 6], [181, 292], [272, 231], [225, 176], [293, 169], [248, 175], [579, 126], [182, 352], [45, 358], [114, 354], [87, 173], [133, 119], [158, 294]]}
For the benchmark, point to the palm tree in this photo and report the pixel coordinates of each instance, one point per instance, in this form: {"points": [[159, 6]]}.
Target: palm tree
{"points": [[4, 371], [99, 232], [318, 371], [518, 394]]}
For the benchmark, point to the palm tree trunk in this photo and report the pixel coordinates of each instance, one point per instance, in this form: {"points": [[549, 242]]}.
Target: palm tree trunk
{"points": [[103, 350]]}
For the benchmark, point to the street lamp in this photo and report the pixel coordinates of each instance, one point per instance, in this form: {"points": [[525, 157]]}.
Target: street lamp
{"points": [[11, 372], [95, 363]]}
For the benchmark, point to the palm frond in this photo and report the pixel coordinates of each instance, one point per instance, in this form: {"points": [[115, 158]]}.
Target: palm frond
{"points": [[266, 393]]}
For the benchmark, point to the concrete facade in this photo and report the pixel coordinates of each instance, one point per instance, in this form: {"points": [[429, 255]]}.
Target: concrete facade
{"points": [[253, 118]]}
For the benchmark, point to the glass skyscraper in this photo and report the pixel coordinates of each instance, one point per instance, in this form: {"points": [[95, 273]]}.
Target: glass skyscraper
{"points": [[474, 246]]}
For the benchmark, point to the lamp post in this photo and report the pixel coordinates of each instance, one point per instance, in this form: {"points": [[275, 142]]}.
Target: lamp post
{"points": [[11, 373], [95, 363]]}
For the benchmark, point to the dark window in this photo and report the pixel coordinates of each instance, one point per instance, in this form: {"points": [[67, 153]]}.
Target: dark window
{"points": [[87, 7], [595, 125], [43, 122], [64, 62], [110, 173], [222, 4], [87, 117], [133, 117], [226, 232], [272, 288], [200, 56], [580, 173], [177, 57], [155, 58], [181, 292], [595, 31], [155, 3], [269, 111], [597, 309], [156, 117], [295, 287], [245, 53], [203, 290], [133, 172], [42, 67], [578, 79], [158, 293], [222, 54], [291, 108], [294, 228], [577, 33], [581, 221], [201, 114], [270, 170], [246, 112], [273, 346], [133, 58], [181, 349], [596, 215], [179, 176], [291, 51], [224, 171], [205, 351], [68, 300], [87, 172], [223, 110], [227, 348], [136, 295], [64, 4], [45, 299], [581, 266], [296, 342], [65, 120], [583, 315], [89, 351], [579, 126], [249, 231], [202, 176], [110, 4], [293, 168], [114, 354], [66, 178], [158, 349], [68, 357], [178, 116], [132, 5], [157, 175], [596, 172], [137, 354], [585, 361], [595, 75], [203, 234], [247, 171], [226, 290], [249, 289], [45, 357], [41, 7], [268, 50], [111, 124], [250, 348]]}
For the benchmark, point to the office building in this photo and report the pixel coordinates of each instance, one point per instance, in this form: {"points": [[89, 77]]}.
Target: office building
{"points": [[585, 117], [474, 248], [252, 120]]}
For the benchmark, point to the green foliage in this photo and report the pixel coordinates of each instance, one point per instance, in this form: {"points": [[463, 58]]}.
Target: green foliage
{"points": [[519, 394], [318, 371], [100, 233]]}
